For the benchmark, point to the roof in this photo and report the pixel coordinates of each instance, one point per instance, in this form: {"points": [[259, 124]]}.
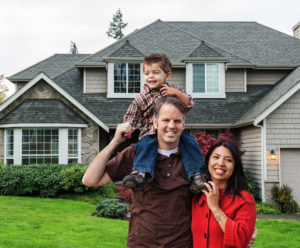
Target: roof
{"points": [[52, 66], [269, 99], [33, 111], [240, 42]]}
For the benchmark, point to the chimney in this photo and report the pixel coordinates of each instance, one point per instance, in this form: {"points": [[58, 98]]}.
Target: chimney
{"points": [[296, 30]]}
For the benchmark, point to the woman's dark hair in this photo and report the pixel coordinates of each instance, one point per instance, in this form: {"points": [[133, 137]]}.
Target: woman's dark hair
{"points": [[237, 182]]}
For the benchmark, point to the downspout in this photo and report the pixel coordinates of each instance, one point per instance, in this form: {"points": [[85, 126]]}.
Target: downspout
{"points": [[263, 158]]}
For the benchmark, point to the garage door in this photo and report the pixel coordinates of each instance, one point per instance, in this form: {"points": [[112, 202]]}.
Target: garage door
{"points": [[290, 170]]}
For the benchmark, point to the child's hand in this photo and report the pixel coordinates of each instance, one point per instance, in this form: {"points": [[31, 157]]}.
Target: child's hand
{"points": [[168, 91], [128, 130]]}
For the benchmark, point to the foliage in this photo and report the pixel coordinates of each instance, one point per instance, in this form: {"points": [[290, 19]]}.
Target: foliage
{"points": [[71, 179], [267, 208], [252, 186], [112, 208], [73, 48], [3, 167], [124, 194], [116, 26], [205, 141], [47, 180], [3, 89], [30, 222], [284, 198], [34, 180]]}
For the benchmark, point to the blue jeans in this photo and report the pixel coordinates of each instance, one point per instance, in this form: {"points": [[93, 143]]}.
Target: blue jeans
{"points": [[146, 154]]}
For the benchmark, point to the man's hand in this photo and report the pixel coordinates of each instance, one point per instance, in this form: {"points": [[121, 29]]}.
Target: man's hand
{"points": [[166, 90], [123, 132]]}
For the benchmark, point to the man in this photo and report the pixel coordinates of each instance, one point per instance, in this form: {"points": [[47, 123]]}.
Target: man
{"points": [[161, 214]]}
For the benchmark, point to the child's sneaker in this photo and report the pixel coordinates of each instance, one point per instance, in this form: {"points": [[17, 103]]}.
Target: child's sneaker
{"points": [[134, 181], [197, 185]]}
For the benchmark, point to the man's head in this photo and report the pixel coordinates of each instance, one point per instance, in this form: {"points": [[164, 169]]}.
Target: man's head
{"points": [[157, 70], [169, 121]]}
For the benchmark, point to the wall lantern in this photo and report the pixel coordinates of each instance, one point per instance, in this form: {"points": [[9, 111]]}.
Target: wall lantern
{"points": [[272, 154]]}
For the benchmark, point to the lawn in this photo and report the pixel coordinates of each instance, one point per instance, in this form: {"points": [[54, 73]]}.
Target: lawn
{"points": [[36, 222]]}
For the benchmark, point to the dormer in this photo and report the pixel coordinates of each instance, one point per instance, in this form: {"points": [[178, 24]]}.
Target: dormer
{"points": [[205, 72], [125, 77]]}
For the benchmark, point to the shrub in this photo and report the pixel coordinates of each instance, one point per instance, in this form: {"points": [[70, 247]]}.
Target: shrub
{"points": [[252, 186], [34, 180], [71, 179], [267, 208], [111, 208], [284, 198], [124, 194], [290, 207]]}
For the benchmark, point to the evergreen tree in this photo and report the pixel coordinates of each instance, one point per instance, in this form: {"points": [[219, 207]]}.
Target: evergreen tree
{"points": [[116, 26], [73, 48], [3, 89]]}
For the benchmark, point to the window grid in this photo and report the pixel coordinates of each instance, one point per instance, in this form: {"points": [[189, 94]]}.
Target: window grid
{"points": [[206, 78], [127, 78], [9, 146], [73, 145], [39, 146]]}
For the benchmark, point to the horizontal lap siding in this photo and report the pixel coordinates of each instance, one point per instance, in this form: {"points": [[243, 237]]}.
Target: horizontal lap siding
{"points": [[255, 77], [96, 80], [178, 77], [283, 131], [234, 80], [251, 143]]}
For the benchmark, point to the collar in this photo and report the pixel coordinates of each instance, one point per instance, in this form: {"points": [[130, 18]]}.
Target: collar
{"points": [[162, 157]]}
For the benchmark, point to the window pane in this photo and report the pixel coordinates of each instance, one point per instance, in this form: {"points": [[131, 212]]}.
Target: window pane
{"points": [[198, 78], [212, 77], [9, 144], [134, 78], [119, 78], [73, 145], [39, 145]]}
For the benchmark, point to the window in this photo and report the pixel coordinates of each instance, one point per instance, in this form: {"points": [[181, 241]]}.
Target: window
{"points": [[9, 146], [39, 146], [205, 79], [124, 79], [73, 145]]}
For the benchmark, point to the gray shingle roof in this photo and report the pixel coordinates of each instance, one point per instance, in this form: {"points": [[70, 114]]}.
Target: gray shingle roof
{"points": [[52, 66], [241, 42], [268, 99], [42, 111], [206, 111], [203, 50], [127, 50]]}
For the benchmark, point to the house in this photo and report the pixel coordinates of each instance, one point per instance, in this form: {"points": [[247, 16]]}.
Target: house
{"points": [[243, 75]]}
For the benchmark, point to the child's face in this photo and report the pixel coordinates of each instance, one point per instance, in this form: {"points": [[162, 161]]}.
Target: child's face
{"points": [[155, 77]]}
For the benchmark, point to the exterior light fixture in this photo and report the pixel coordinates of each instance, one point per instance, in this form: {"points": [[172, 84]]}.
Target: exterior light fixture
{"points": [[273, 154]]}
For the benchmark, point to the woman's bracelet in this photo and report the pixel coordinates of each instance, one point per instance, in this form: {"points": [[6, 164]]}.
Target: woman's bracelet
{"points": [[220, 216]]}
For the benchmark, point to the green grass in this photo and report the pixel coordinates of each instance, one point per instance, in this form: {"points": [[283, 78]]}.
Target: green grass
{"points": [[277, 233], [36, 222]]}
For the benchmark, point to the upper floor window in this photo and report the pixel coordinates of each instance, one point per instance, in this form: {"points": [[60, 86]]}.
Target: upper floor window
{"points": [[205, 80], [124, 79]]}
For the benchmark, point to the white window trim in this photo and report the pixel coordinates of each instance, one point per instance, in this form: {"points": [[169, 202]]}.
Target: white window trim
{"points": [[62, 146], [189, 83], [84, 81], [110, 83]]}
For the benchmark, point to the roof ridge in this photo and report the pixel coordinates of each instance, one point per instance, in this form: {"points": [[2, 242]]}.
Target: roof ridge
{"points": [[121, 40], [207, 42], [127, 42], [204, 43]]}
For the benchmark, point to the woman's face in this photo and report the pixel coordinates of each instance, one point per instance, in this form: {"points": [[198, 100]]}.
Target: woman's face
{"points": [[221, 166]]}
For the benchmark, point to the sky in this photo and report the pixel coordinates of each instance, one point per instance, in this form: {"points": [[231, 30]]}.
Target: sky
{"points": [[32, 30]]}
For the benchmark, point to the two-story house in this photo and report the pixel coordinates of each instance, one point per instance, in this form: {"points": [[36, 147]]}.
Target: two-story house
{"points": [[243, 75]]}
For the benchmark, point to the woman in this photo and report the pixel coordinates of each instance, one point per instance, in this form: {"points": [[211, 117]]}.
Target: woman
{"points": [[225, 215]]}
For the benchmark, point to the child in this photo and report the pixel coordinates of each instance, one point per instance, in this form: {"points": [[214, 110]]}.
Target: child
{"points": [[157, 70]]}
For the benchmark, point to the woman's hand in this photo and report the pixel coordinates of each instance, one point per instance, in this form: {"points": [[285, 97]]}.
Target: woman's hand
{"points": [[212, 196]]}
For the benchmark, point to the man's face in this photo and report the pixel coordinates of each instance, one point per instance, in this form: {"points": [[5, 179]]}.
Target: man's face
{"points": [[155, 77], [169, 124]]}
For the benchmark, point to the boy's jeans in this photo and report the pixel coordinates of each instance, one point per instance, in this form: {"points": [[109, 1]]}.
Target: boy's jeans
{"points": [[146, 154]]}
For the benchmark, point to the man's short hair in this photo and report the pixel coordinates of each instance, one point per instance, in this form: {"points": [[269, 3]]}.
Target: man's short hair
{"points": [[172, 100], [162, 59]]}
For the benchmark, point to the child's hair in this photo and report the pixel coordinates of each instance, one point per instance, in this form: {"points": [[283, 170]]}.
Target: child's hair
{"points": [[162, 59]]}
